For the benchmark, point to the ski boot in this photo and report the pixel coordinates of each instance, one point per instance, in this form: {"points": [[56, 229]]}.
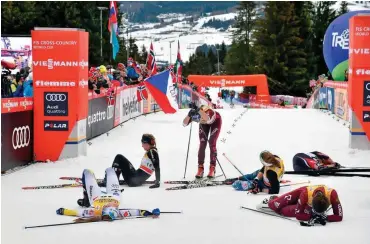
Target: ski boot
{"points": [[84, 202], [212, 172], [200, 173]]}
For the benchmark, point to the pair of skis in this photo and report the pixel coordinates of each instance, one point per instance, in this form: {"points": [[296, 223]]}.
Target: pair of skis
{"points": [[343, 172]]}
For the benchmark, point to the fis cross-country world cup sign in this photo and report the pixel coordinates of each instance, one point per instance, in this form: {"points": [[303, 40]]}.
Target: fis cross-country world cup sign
{"points": [[336, 45]]}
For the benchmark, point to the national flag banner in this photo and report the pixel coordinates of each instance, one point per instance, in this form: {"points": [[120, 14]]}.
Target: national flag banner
{"points": [[141, 92], [113, 27], [178, 64], [163, 91], [150, 61]]}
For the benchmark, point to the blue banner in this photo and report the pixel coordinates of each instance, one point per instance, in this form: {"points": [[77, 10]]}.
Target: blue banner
{"points": [[323, 101], [330, 98]]}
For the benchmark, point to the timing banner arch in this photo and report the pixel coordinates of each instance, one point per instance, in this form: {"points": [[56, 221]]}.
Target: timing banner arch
{"points": [[260, 81]]}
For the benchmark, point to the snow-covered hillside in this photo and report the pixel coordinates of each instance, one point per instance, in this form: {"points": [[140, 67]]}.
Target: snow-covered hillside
{"points": [[191, 34]]}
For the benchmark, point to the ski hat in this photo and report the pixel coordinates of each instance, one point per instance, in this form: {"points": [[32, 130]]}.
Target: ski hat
{"points": [[112, 212], [263, 161]]}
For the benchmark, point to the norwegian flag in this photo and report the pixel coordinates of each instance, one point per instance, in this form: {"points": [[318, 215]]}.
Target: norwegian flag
{"points": [[178, 64], [150, 61], [141, 92], [110, 96], [171, 67]]}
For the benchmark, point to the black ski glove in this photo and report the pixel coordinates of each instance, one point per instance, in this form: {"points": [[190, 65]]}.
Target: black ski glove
{"points": [[156, 185], [192, 112]]}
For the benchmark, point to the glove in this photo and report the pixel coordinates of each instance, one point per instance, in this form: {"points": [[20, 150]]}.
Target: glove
{"points": [[317, 220], [337, 166], [156, 212], [255, 188], [192, 112], [156, 185], [60, 211]]}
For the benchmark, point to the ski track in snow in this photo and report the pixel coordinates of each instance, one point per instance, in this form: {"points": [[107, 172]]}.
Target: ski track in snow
{"points": [[211, 215]]}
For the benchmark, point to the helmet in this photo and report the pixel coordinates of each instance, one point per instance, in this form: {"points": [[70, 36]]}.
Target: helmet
{"points": [[111, 212]]}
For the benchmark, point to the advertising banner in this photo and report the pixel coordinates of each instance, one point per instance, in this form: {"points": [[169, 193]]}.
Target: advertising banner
{"points": [[129, 106], [323, 100], [331, 99], [316, 102], [341, 104], [60, 73], [16, 139], [359, 70], [17, 50], [101, 117]]}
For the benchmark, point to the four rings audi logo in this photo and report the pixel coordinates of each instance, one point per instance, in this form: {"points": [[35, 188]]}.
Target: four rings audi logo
{"points": [[21, 137], [55, 97]]}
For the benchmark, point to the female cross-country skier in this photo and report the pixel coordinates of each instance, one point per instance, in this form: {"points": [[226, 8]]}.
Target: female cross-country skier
{"points": [[307, 203], [267, 179], [313, 161], [149, 164], [209, 125], [102, 206]]}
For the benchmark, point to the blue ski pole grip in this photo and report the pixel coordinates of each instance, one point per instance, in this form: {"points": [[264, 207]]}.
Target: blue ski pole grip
{"points": [[156, 212]]}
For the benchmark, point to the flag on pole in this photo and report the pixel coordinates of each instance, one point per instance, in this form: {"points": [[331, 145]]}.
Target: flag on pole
{"points": [[163, 91], [113, 27], [150, 61], [178, 64]]}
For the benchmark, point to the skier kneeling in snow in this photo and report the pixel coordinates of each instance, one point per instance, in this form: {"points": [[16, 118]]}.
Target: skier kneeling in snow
{"points": [[308, 203], [313, 161], [267, 179], [102, 206], [149, 164]]}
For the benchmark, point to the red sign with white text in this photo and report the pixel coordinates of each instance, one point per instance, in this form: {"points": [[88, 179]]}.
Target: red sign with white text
{"points": [[359, 70], [60, 73]]}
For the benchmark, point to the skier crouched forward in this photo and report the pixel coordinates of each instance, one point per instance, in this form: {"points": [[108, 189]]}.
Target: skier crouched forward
{"points": [[102, 206], [266, 180], [315, 161], [149, 164], [209, 125], [308, 203]]}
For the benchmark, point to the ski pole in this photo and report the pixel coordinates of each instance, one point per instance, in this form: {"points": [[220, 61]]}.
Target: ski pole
{"points": [[201, 128], [267, 213], [164, 212], [298, 183], [187, 154], [232, 164]]}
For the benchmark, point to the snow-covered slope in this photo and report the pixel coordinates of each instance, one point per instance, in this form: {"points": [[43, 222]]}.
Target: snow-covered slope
{"points": [[210, 215]]}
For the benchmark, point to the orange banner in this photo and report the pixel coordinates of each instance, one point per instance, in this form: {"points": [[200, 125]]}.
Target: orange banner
{"points": [[260, 81], [60, 74], [359, 70]]}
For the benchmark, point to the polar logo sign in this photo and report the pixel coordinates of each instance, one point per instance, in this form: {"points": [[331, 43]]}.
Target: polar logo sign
{"points": [[55, 125], [96, 117], [366, 116], [55, 104], [366, 94]]}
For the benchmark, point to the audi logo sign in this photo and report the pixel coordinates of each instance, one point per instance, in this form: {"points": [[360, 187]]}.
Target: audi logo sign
{"points": [[21, 137], [55, 103], [55, 97], [366, 93]]}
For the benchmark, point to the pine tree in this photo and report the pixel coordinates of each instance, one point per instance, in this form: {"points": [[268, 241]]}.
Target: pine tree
{"points": [[133, 49], [222, 52], [343, 8], [324, 15], [143, 54], [240, 57], [280, 53], [212, 59]]}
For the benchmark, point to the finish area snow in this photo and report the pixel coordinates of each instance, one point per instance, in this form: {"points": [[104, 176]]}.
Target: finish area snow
{"points": [[210, 215]]}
